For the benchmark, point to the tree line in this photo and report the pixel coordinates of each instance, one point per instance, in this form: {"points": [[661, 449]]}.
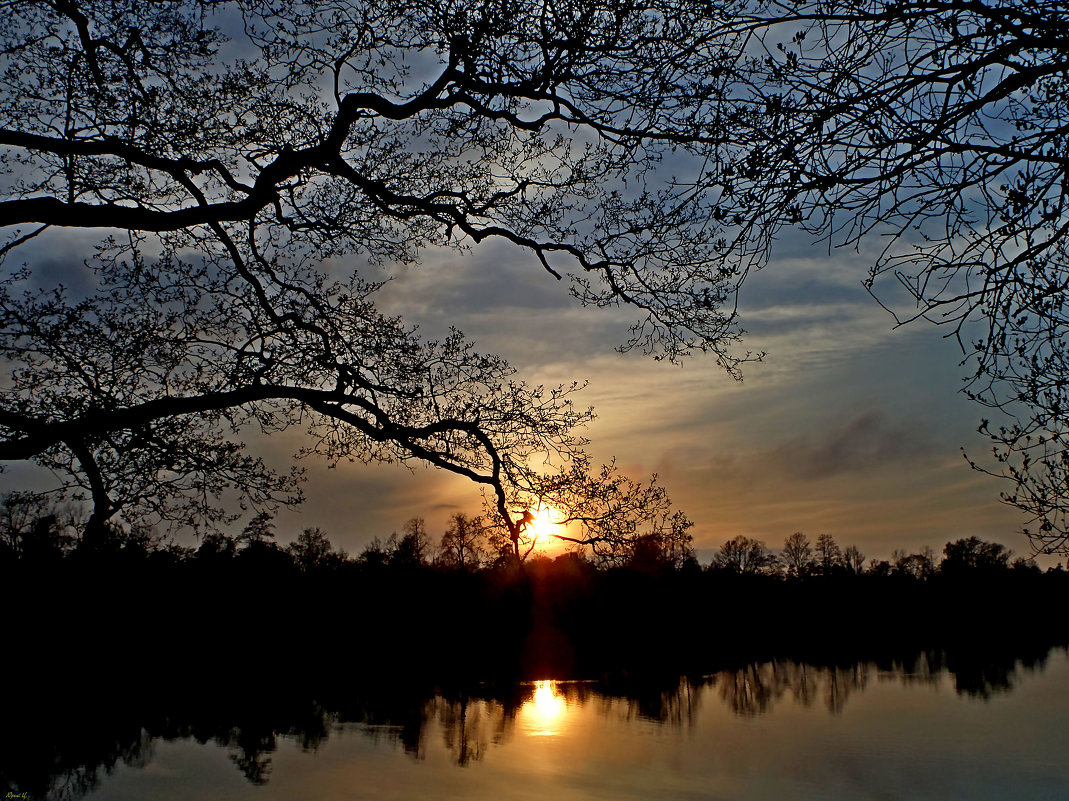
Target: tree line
{"points": [[30, 531], [446, 608], [801, 558]]}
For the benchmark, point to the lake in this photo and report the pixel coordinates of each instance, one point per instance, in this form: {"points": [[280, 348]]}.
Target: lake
{"points": [[769, 730]]}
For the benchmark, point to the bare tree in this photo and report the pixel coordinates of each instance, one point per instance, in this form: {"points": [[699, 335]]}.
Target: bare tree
{"points": [[226, 180], [854, 560], [462, 544], [829, 555], [612, 515], [229, 180], [931, 132], [797, 554], [745, 556], [412, 548]]}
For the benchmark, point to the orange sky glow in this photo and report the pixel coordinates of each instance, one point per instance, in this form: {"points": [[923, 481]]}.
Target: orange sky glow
{"points": [[847, 426]]}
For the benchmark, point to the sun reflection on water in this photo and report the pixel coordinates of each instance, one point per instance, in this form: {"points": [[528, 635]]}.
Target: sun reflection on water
{"points": [[544, 713]]}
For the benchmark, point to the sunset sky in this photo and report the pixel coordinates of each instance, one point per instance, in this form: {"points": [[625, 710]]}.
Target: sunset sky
{"points": [[849, 426]]}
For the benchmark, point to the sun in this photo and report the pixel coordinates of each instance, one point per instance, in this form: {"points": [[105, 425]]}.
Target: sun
{"points": [[545, 524]]}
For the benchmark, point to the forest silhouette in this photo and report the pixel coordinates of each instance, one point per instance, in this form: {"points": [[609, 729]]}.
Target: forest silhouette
{"points": [[118, 639], [405, 607]]}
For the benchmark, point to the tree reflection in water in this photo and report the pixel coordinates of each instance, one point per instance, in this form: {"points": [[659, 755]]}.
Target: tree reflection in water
{"points": [[58, 746], [470, 726], [752, 689]]}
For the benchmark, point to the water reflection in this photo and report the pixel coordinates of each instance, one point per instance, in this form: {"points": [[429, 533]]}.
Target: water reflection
{"points": [[544, 714], [752, 689], [62, 747], [470, 726]]}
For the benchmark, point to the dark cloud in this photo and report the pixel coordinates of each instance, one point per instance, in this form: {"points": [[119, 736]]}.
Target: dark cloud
{"points": [[56, 260], [864, 442]]}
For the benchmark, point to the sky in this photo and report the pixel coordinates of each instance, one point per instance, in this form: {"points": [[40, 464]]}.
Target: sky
{"points": [[848, 426]]}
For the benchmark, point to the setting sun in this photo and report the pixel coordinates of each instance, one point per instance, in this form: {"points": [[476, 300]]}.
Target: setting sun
{"points": [[545, 524]]}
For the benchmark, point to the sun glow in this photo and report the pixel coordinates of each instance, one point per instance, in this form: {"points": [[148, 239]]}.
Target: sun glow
{"points": [[547, 703], [545, 524], [545, 711]]}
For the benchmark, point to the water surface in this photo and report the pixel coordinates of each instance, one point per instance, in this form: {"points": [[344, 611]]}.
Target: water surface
{"points": [[772, 730]]}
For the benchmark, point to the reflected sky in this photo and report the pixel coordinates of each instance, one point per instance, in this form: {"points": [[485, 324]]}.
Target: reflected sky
{"points": [[768, 731]]}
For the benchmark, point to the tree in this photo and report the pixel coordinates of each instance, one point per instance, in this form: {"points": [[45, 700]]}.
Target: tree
{"points": [[226, 182], [934, 132], [797, 554], [219, 186], [106, 541], [829, 555], [611, 514], [312, 550], [659, 551], [376, 554], [972, 553], [413, 547], [854, 560], [259, 530], [30, 528], [216, 547], [744, 556], [462, 544], [919, 566], [880, 568]]}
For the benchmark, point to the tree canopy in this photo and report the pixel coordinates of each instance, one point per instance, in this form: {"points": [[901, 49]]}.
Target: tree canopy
{"points": [[933, 135], [228, 161], [228, 178]]}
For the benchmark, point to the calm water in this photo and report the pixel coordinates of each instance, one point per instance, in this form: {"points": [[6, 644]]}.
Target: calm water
{"points": [[767, 731]]}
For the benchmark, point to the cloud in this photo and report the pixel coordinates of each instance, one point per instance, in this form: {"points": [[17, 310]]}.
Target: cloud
{"points": [[503, 299], [866, 441], [848, 427]]}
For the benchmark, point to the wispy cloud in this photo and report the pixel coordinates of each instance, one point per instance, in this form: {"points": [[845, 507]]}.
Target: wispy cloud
{"points": [[866, 441]]}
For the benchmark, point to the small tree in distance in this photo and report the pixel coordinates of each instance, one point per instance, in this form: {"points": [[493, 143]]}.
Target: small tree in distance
{"points": [[829, 555], [919, 566], [854, 560], [797, 555], [259, 531], [413, 548], [312, 550], [463, 543], [972, 553], [745, 556]]}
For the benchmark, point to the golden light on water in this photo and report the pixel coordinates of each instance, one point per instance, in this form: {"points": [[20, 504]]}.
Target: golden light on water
{"points": [[545, 711]]}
